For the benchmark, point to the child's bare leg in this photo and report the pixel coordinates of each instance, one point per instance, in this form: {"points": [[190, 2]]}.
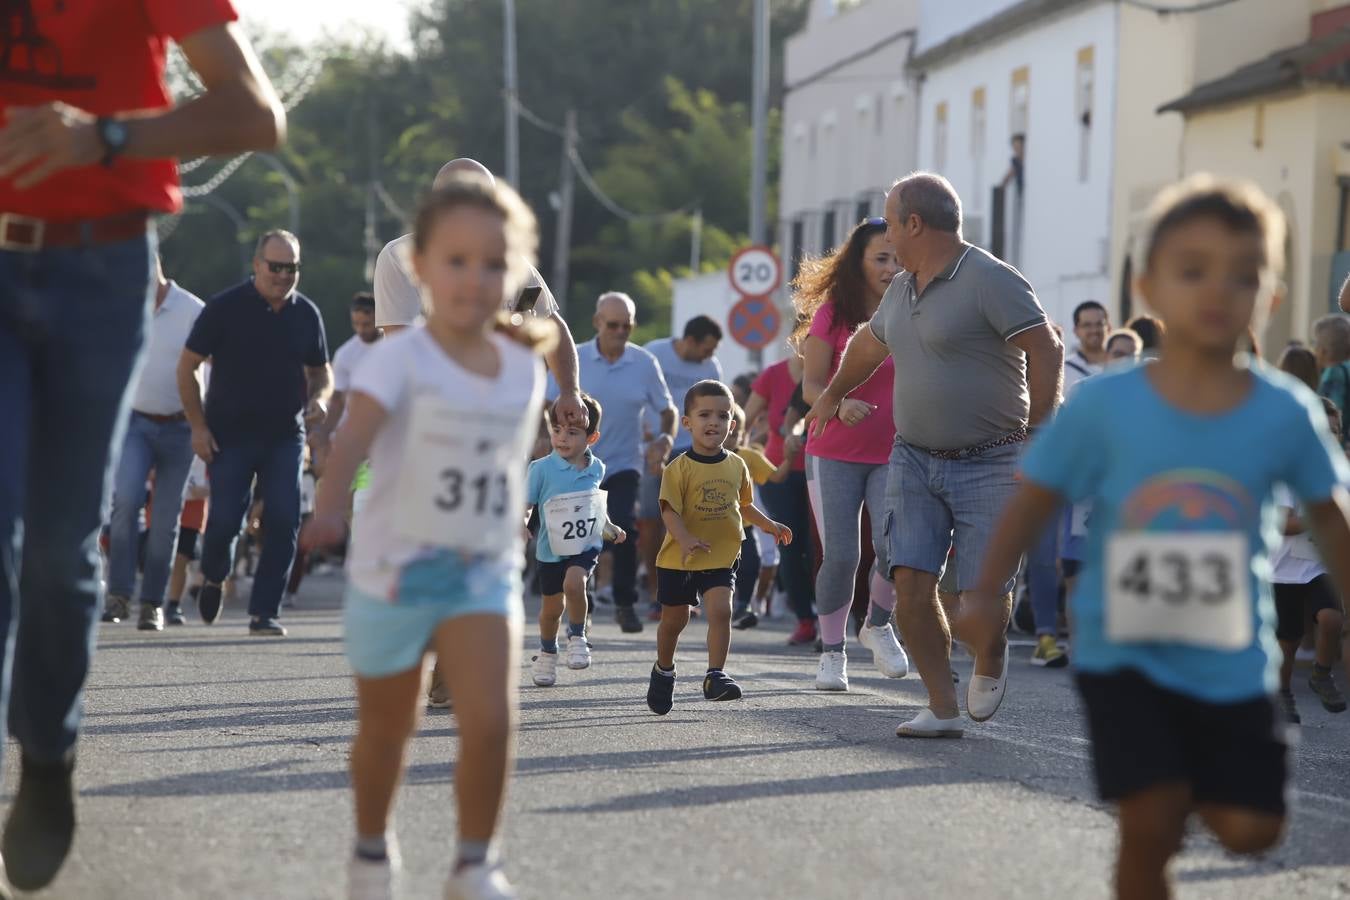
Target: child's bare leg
{"points": [[717, 606], [673, 621], [1329, 624], [1243, 830], [1152, 824], [574, 596], [478, 655], [387, 715], [764, 588], [1287, 651], [550, 614]]}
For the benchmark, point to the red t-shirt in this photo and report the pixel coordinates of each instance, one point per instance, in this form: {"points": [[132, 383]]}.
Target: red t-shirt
{"points": [[105, 57], [776, 386]]}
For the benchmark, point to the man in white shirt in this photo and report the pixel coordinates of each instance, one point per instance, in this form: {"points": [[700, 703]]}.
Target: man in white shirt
{"points": [[398, 303], [365, 334], [158, 439], [1091, 325]]}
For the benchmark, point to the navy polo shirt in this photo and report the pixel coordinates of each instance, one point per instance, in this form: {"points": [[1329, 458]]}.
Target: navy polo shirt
{"points": [[258, 358]]}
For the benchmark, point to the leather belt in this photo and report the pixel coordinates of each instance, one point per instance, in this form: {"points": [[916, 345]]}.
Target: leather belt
{"points": [[26, 234], [161, 420]]}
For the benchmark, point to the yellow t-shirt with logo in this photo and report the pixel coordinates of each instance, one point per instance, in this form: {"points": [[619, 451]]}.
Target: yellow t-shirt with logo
{"points": [[761, 470], [707, 493]]}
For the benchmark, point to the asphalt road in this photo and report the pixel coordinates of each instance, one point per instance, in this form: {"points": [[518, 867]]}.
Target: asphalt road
{"points": [[213, 765]]}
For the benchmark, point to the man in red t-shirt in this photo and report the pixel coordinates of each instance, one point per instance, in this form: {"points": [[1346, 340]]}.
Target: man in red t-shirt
{"points": [[88, 135]]}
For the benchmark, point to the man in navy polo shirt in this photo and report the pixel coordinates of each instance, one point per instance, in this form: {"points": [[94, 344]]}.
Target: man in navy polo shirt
{"points": [[269, 379]]}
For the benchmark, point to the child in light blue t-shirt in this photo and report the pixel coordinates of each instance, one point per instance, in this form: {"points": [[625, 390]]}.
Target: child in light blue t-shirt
{"points": [[1172, 613], [571, 476]]}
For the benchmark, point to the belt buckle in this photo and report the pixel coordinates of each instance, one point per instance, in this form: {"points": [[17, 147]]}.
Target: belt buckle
{"points": [[37, 226]]}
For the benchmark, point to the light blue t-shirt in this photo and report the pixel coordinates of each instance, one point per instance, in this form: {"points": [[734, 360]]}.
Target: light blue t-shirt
{"points": [[1149, 467], [625, 389], [551, 476], [680, 377]]}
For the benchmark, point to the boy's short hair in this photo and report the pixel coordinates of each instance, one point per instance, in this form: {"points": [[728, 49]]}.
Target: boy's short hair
{"points": [[363, 301], [709, 387], [1240, 205], [700, 328], [738, 414], [593, 412], [1335, 331]]}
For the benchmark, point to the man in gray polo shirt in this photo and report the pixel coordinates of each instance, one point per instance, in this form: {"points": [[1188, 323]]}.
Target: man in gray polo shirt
{"points": [[976, 364]]}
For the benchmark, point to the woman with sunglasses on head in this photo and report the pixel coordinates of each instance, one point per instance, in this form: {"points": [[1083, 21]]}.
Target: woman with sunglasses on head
{"points": [[847, 463]]}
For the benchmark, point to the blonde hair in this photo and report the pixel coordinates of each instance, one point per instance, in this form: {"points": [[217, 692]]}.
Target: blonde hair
{"points": [[474, 190]]}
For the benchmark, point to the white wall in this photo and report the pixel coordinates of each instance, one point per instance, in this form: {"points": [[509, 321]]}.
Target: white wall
{"points": [[1065, 250], [943, 19], [712, 295]]}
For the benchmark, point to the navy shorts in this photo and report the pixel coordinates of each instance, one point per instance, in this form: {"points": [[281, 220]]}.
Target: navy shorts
{"points": [[676, 587], [1230, 754], [552, 574]]}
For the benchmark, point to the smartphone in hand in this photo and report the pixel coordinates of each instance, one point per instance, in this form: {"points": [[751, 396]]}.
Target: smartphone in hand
{"points": [[529, 296]]}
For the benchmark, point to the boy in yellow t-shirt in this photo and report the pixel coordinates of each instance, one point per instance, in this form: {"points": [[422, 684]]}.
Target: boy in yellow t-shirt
{"points": [[705, 497]]}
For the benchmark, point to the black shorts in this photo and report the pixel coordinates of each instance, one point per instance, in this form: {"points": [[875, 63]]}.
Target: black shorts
{"points": [[187, 543], [1293, 600], [552, 574], [1230, 754], [1070, 568], [676, 587]]}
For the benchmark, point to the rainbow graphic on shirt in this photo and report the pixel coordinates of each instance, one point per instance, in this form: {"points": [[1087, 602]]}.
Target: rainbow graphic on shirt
{"points": [[1188, 499]]}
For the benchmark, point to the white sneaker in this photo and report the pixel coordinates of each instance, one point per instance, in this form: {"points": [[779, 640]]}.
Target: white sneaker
{"points": [[545, 671], [481, 882], [833, 672], [887, 653], [927, 725], [578, 652], [984, 694], [369, 879]]}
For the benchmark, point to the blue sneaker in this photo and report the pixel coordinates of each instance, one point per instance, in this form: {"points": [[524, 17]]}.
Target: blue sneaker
{"points": [[718, 685], [661, 691]]}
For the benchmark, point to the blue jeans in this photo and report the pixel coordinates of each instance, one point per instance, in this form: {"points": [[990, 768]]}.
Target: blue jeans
{"points": [[1043, 581], [277, 465], [165, 448], [72, 323]]}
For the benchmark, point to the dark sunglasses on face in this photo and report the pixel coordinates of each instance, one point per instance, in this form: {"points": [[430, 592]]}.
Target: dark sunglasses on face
{"points": [[278, 268]]}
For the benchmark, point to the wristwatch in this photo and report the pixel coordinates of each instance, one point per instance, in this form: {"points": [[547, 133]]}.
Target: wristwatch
{"points": [[113, 133]]}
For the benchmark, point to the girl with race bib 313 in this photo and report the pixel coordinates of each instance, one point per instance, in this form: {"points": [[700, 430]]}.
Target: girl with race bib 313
{"points": [[446, 414]]}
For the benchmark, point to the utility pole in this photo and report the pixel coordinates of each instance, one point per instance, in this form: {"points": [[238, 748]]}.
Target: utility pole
{"points": [[759, 110], [372, 242], [696, 241], [562, 244], [512, 117]]}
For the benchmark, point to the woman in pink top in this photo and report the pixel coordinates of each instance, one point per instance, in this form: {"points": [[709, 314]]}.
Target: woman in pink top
{"points": [[846, 464]]}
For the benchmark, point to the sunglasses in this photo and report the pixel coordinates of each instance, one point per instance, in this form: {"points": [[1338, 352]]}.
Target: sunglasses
{"points": [[874, 220], [278, 268]]}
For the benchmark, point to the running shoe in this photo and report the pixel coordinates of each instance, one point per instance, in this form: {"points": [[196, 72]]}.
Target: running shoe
{"points": [[545, 669], [887, 653], [1330, 695], [805, 633], [833, 672], [718, 685], [41, 824], [578, 652], [747, 620], [1289, 708], [374, 879], [259, 626], [661, 691], [209, 602], [117, 608], [152, 618], [174, 614], [628, 620], [484, 881], [1048, 654], [438, 695], [927, 725]]}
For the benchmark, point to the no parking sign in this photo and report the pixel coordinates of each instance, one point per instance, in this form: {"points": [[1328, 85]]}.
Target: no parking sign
{"points": [[754, 322], [755, 273]]}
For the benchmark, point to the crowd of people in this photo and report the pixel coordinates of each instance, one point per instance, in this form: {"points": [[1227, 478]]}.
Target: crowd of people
{"points": [[926, 450]]}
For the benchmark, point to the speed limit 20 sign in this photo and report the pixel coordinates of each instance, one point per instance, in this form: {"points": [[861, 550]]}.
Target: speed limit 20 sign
{"points": [[755, 272]]}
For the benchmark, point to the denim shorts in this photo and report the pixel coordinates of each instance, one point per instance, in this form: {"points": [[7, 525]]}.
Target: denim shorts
{"points": [[932, 503], [384, 638]]}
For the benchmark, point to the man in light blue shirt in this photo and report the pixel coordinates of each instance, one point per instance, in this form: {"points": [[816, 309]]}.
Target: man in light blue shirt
{"points": [[627, 382]]}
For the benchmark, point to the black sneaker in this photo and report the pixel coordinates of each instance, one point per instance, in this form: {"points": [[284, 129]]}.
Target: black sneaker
{"points": [[661, 691], [749, 620], [116, 609], [718, 685], [174, 614], [260, 627], [1289, 708], [210, 602], [152, 618], [41, 824], [629, 623]]}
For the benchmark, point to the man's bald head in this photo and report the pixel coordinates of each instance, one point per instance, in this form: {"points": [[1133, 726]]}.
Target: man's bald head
{"points": [[458, 166], [615, 302], [615, 316]]}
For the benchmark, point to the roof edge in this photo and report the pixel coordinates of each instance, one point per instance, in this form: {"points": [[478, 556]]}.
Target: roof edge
{"points": [[1010, 19]]}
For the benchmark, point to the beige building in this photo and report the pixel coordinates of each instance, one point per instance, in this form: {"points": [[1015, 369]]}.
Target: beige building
{"points": [[1282, 119]]}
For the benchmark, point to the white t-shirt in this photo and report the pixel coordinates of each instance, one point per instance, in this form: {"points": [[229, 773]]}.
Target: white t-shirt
{"points": [[1077, 368], [398, 297], [394, 371], [1297, 560], [345, 361], [157, 387]]}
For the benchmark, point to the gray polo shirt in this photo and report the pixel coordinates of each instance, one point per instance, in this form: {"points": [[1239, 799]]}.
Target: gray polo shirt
{"points": [[958, 382]]}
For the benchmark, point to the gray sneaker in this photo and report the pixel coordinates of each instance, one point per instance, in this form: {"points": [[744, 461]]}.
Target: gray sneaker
{"points": [[117, 608], [152, 618], [1327, 692]]}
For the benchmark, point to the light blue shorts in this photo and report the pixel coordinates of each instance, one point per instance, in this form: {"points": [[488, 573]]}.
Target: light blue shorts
{"points": [[384, 638], [934, 503]]}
